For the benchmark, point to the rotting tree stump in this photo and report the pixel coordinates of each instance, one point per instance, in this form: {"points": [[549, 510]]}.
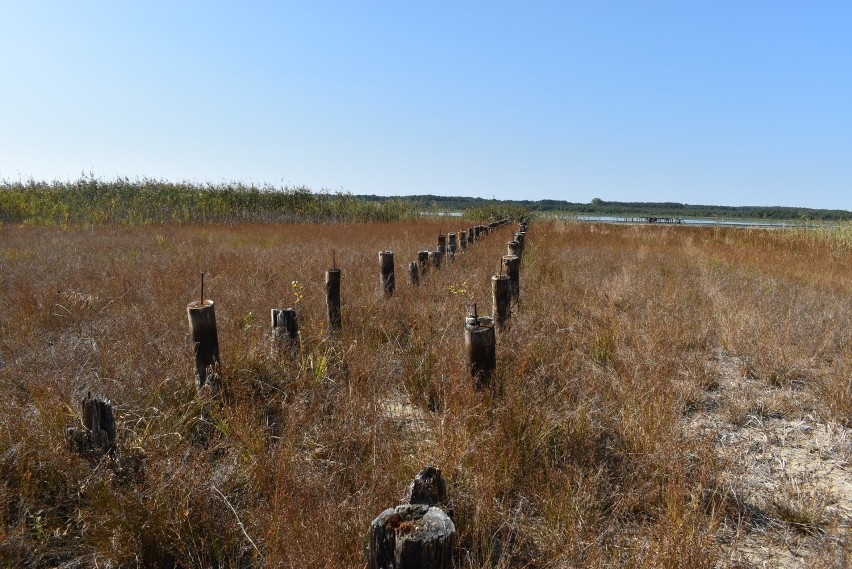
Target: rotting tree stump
{"points": [[96, 433], [285, 327], [412, 536], [417, 535]]}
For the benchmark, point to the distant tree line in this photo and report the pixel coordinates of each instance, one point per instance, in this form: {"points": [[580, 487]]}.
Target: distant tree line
{"points": [[627, 209]]}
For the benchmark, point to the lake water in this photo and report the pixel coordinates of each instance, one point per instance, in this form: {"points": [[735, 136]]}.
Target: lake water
{"points": [[689, 221]]}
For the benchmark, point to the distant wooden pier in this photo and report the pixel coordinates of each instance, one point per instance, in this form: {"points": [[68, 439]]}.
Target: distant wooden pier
{"points": [[671, 220]]}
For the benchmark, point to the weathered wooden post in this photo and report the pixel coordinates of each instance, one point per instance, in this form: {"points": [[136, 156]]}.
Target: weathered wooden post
{"points": [[471, 235], [413, 274], [514, 248], [463, 239], [442, 243], [386, 275], [205, 340], [97, 432], [451, 252], [332, 299], [512, 265], [501, 296], [423, 261], [415, 535], [480, 344], [521, 238], [436, 257], [285, 327]]}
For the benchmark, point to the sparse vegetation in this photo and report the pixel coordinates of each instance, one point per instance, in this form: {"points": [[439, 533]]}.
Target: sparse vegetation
{"points": [[583, 452]]}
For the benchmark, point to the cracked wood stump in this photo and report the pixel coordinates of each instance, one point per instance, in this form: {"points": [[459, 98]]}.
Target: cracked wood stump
{"points": [[416, 535], [96, 434]]}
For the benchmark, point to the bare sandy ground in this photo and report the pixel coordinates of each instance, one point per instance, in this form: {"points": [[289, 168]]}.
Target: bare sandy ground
{"points": [[787, 476]]}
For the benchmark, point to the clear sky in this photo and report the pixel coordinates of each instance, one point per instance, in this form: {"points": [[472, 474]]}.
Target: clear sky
{"points": [[731, 103]]}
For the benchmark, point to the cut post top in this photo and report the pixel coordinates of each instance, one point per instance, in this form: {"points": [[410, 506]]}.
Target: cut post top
{"points": [[199, 304]]}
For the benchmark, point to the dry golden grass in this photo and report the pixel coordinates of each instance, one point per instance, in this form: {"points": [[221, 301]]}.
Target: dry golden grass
{"points": [[576, 455]]}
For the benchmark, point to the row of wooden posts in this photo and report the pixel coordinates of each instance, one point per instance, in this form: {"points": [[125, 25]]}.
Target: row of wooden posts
{"points": [[419, 534], [285, 327], [480, 337]]}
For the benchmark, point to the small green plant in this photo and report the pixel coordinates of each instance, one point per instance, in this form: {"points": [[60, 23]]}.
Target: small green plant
{"points": [[248, 320], [602, 350], [160, 240], [460, 288], [298, 290]]}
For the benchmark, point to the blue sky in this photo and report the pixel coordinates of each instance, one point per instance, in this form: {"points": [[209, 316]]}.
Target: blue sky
{"points": [[732, 103]]}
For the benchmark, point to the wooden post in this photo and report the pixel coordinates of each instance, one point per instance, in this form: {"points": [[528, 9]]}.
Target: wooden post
{"points": [[521, 237], [471, 235], [205, 340], [436, 257], [285, 326], [442, 243], [501, 295], [452, 247], [416, 535], [413, 274], [386, 276], [463, 240], [514, 248], [513, 268], [423, 261], [480, 344], [332, 299], [97, 432]]}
